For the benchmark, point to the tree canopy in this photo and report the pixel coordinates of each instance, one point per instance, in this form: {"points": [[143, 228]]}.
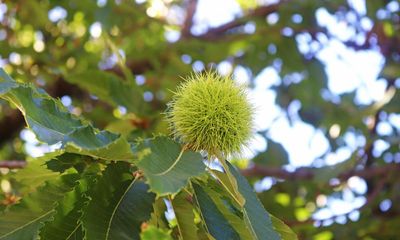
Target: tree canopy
{"points": [[84, 88]]}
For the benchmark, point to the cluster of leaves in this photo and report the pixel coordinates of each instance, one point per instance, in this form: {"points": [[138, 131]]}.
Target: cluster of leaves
{"points": [[118, 81], [100, 186]]}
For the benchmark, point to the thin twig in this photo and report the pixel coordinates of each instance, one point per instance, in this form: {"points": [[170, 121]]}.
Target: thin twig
{"points": [[262, 11], [188, 23], [309, 173], [12, 164]]}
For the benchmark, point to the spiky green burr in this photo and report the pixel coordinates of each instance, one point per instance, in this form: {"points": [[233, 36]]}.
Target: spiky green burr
{"points": [[210, 112]]}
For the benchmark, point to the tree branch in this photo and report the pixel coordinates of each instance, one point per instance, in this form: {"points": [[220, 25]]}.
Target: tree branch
{"points": [[309, 173], [12, 164], [188, 23], [262, 11]]}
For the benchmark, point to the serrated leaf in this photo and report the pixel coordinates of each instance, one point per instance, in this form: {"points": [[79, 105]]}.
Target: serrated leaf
{"points": [[111, 88], [22, 221], [256, 218], [214, 220], [52, 123], [167, 167], [183, 210], [119, 205], [66, 224], [68, 160], [33, 176], [102, 144]]}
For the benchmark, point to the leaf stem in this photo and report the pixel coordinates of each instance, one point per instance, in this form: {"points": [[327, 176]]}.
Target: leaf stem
{"points": [[235, 191]]}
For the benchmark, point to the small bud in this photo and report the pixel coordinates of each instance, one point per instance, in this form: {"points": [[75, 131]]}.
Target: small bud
{"points": [[210, 112]]}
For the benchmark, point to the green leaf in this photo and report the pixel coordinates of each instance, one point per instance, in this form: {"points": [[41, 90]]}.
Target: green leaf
{"points": [[274, 156], [256, 217], [66, 224], [158, 218], [152, 233], [284, 230], [7, 82], [166, 166], [68, 160], [214, 220], [373, 7], [22, 221], [34, 175], [102, 144], [229, 182], [111, 88], [231, 212], [183, 210], [52, 123], [118, 206], [223, 201], [391, 70]]}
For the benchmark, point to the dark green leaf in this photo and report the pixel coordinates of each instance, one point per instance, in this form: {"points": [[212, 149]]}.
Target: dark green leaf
{"points": [[158, 215], [216, 223], [111, 88], [68, 160], [66, 223], [256, 217], [23, 220], [34, 175], [231, 212], [274, 156], [183, 210], [52, 123], [119, 205]]}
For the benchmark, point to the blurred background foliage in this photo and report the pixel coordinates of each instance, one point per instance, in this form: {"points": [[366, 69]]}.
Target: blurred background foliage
{"points": [[116, 62]]}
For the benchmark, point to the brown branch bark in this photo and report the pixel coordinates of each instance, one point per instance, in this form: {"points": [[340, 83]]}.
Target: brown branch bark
{"points": [[188, 23], [309, 174], [12, 164], [262, 11]]}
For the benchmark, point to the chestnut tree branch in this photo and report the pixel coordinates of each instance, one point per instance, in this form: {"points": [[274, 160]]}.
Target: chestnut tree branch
{"points": [[262, 11], [188, 23], [309, 173], [12, 164]]}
